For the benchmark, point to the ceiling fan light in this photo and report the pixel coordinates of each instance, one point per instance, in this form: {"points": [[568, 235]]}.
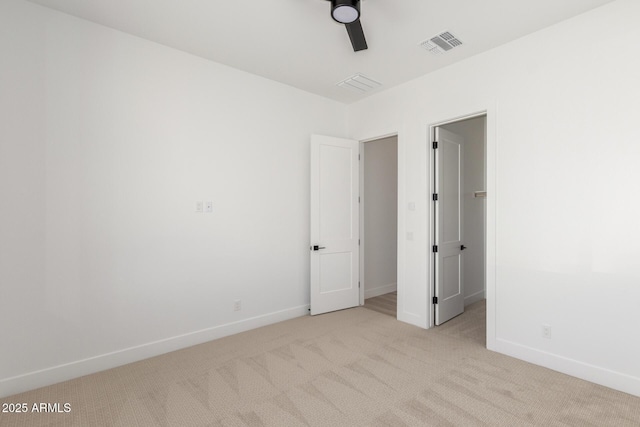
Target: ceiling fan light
{"points": [[345, 11]]}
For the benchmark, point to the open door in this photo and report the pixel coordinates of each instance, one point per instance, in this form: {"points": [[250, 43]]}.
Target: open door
{"points": [[334, 224], [449, 291]]}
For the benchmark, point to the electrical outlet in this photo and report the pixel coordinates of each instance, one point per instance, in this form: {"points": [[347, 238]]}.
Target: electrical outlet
{"points": [[208, 207], [546, 331], [237, 305]]}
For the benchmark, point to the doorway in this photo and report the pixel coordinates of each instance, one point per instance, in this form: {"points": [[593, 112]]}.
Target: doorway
{"points": [[379, 224], [459, 216], [341, 269]]}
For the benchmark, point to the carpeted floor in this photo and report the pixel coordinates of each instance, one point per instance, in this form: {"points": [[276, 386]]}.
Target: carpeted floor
{"points": [[348, 368], [385, 304]]}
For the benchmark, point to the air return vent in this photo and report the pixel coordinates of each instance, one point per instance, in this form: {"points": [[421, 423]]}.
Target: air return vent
{"points": [[359, 83], [441, 43]]}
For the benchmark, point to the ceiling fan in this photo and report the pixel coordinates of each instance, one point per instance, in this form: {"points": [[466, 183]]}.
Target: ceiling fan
{"points": [[347, 12]]}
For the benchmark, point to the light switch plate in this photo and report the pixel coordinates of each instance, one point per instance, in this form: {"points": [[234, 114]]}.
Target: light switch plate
{"points": [[208, 207], [199, 207]]}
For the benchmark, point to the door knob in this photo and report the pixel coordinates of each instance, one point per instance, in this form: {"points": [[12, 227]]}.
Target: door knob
{"points": [[463, 247], [316, 247]]}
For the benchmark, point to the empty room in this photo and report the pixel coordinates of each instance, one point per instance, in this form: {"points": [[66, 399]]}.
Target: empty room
{"points": [[319, 212]]}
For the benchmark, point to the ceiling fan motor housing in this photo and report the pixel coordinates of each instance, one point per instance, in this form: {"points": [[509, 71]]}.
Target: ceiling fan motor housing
{"points": [[345, 11]]}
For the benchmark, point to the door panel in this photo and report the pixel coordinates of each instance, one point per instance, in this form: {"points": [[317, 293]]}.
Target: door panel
{"points": [[336, 272], [334, 224], [450, 190], [448, 259], [335, 176], [451, 275]]}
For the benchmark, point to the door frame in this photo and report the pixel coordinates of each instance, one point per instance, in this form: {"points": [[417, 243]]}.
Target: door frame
{"points": [[361, 213], [490, 215]]}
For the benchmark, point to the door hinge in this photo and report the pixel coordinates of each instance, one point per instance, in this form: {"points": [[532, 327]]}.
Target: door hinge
{"points": [[434, 248], [358, 285], [435, 145], [358, 199], [358, 156], [358, 242], [435, 197], [435, 300]]}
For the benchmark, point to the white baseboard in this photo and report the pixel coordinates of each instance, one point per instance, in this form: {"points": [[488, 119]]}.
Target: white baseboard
{"points": [[575, 368], [56, 374], [478, 296], [380, 290]]}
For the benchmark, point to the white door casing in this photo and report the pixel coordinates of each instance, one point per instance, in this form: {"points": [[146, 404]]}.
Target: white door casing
{"points": [[334, 265], [448, 225]]}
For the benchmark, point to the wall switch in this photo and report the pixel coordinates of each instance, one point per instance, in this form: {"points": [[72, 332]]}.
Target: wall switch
{"points": [[412, 206], [410, 235], [546, 331], [237, 305], [199, 206], [208, 207]]}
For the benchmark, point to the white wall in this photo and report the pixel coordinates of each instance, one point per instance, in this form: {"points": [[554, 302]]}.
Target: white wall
{"points": [[106, 142], [473, 222], [562, 178], [380, 215]]}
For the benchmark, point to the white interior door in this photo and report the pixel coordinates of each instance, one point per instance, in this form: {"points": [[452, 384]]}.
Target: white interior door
{"points": [[448, 226], [334, 224]]}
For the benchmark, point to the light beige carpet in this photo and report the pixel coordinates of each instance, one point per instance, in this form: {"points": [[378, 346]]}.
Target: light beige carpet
{"points": [[385, 304], [349, 368]]}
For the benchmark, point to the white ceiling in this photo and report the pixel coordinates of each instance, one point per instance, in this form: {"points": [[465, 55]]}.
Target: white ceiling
{"points": [[297, 43]]}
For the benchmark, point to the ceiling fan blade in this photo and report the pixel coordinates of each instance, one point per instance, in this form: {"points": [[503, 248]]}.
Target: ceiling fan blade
{"points": [[356, 34]]}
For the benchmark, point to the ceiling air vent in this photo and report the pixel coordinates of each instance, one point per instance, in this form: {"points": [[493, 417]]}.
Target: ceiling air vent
{"points": [[359, 83], [441, 43]]}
